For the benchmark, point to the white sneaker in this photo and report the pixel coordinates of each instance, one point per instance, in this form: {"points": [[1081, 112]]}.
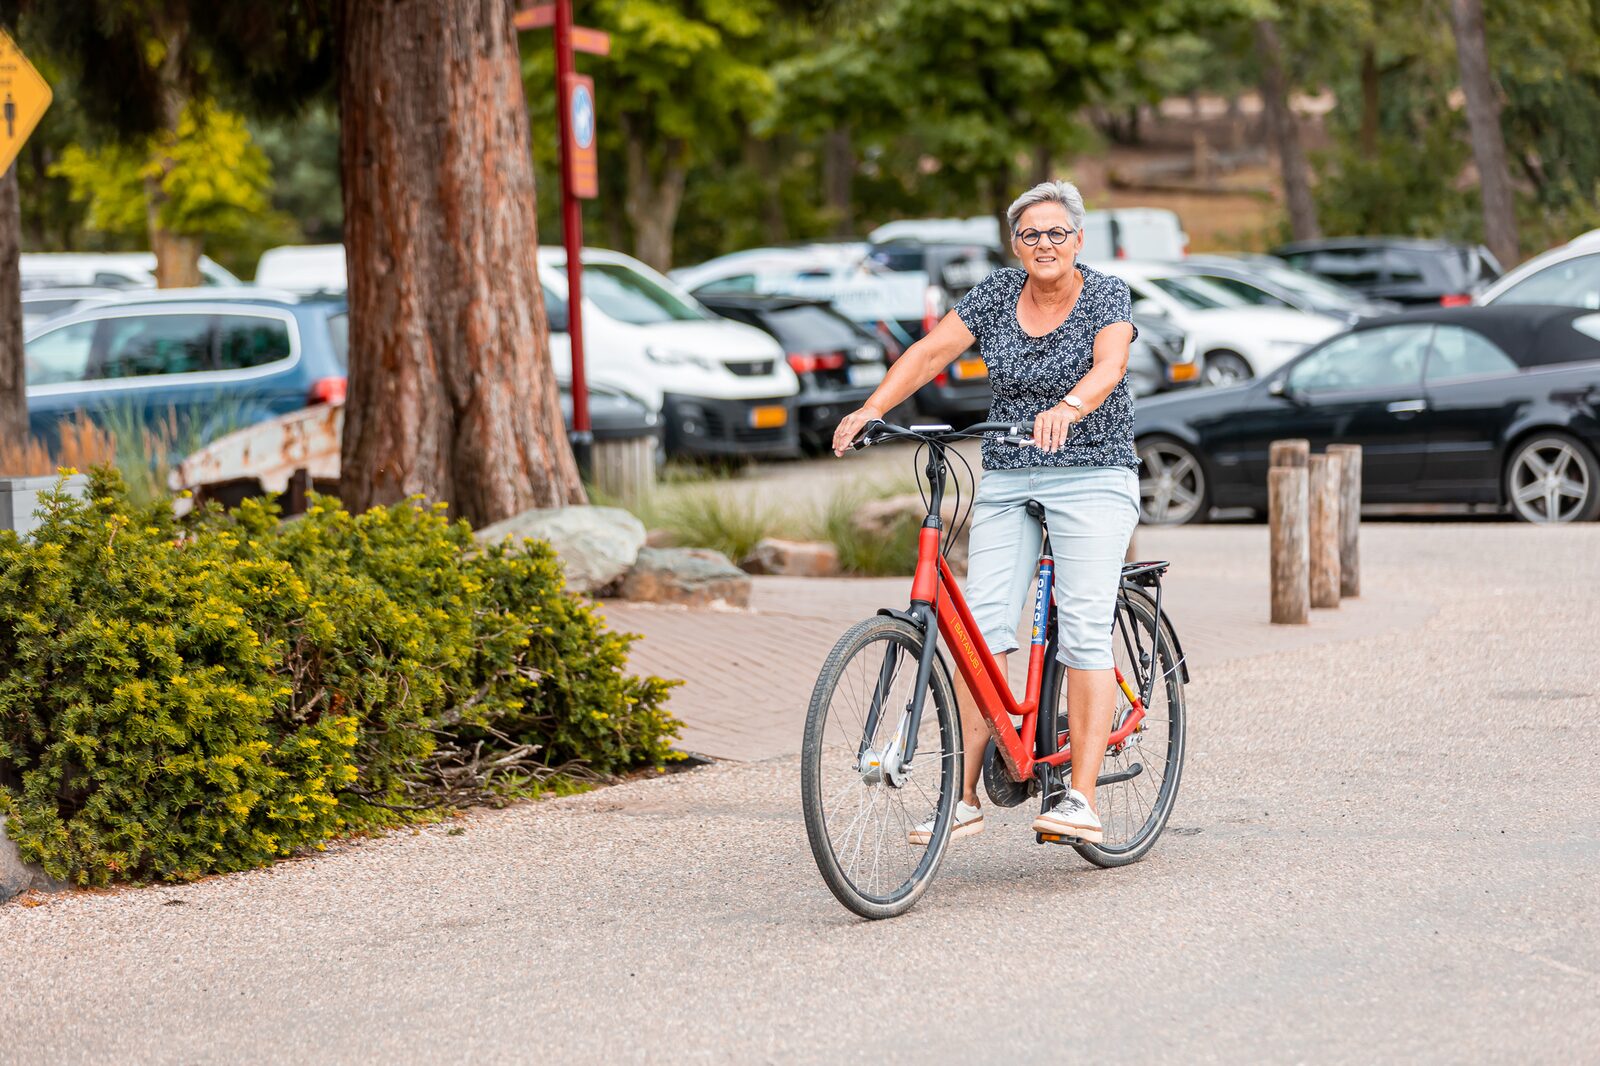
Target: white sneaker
{"points": [[1071, 817], [968, 820]]}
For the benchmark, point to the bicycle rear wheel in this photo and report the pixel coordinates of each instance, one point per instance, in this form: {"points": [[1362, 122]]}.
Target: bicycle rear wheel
{"points": [[859, 818], [1134, 811]]}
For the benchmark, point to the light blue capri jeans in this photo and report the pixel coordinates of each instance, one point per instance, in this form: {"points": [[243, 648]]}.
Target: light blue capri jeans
{"points": [[1091, 512]]}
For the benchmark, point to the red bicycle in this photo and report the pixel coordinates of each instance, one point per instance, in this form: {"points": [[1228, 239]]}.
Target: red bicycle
{"points": [[874, 766]]}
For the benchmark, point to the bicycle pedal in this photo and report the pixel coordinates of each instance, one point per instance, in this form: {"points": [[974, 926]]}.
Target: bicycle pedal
{"points": [[1056, 838]]}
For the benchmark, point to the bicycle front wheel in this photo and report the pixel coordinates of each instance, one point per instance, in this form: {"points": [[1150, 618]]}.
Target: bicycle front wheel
{"points": [[878, 830]]}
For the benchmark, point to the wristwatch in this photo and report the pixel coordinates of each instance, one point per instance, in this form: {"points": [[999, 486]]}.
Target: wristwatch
{"points": [[1076, 405]]}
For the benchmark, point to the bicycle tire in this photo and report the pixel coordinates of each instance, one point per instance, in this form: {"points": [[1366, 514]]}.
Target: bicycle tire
{"points": [[862, 638], [1139, 609]]}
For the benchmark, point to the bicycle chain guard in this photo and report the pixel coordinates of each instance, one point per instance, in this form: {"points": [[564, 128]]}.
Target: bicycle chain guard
{"points": [[997, 782]]}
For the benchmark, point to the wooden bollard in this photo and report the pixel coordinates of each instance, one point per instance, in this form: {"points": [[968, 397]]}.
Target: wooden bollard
{"points": [[1323, 488], [1293, 452], [1286, 505], [1349, 517]]}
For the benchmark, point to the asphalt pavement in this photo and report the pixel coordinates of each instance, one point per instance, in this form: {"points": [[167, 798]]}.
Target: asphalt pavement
{"points": [[1386, 848]]}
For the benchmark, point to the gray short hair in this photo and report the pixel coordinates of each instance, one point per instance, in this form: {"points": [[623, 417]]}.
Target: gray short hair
{"points": [[1048, 192]]}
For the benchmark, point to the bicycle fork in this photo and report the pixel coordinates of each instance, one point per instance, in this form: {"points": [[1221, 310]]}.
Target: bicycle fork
{"points": [[892, 762]]}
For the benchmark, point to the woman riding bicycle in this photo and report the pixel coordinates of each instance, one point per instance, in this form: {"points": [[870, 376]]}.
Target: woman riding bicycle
{"points": [[1055, 338]]}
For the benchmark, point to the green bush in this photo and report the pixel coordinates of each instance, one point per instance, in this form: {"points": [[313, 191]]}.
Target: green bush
{"points": [[177, 700]]}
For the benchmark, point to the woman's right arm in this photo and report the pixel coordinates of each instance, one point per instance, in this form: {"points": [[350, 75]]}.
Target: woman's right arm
{"points": [[917, 366]]}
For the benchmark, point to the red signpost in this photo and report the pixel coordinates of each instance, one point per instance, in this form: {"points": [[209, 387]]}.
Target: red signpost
{"points": [[580, 180]]}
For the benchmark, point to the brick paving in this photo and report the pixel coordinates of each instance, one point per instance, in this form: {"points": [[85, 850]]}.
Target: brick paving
{"points": [[748, 674]]}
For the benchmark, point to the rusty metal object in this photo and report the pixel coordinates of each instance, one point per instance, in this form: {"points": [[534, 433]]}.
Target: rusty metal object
{"points": [[269, 453]]}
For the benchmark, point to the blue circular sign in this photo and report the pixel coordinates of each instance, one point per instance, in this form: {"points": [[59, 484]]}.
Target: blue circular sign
{"points": [[582, 116]]}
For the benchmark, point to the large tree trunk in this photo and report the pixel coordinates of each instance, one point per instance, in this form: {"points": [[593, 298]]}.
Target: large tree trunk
{"points": [[838, 179], [1000, 197], [1369, 100], [1488, 142], [177, 255], [1285, 134], [655, 193], [13, 378], [451, 390]]}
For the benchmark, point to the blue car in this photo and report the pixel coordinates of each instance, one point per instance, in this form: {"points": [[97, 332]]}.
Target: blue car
{"points": [[192, 364]]}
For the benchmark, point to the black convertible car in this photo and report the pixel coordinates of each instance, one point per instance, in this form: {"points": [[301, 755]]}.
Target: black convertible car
{"points": [[1473, 405]]}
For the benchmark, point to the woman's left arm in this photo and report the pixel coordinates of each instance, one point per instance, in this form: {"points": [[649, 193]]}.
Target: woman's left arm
{"points": [[1110, 363]]}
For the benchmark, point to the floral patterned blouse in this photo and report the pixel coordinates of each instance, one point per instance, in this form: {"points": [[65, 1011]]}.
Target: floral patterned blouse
{"points": [[1032, 374]]}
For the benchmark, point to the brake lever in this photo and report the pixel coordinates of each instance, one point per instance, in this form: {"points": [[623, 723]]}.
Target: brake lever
{"points": [[865, 439]]}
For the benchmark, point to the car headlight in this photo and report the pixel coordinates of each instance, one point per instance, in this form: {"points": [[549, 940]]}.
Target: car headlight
{"points": [[1287, 349], [668, 357]]}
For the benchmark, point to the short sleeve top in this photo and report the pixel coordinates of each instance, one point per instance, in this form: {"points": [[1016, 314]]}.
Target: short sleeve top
{"points": [[1031, 374]]}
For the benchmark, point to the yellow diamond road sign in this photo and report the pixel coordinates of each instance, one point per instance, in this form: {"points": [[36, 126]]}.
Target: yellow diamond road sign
{"points": [[23, 98]]}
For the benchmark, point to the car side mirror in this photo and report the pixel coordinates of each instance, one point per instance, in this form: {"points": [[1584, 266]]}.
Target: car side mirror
{"points": [[1149, 307], [1280, 388], [557, 314]]}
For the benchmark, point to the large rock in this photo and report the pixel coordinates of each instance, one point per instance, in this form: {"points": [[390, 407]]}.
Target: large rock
{"points": [[878, 518], [597, 545], [695, 577], [17, 876], [793, 558]]}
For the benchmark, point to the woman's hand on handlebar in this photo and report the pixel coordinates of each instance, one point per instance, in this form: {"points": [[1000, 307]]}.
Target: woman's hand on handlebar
{"points": [[851, 425], [1050, 428]]}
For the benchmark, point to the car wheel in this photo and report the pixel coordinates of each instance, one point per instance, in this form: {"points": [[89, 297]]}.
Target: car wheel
{"points": [[1227, 368], [1172, 484], [1552, 477]]}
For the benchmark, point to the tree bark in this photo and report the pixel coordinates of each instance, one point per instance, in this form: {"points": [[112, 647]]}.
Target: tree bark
{"points": [[451, 390], [1285, 134], [1000, 198], [655, 193], [1041, 161], [1488, 141], [1369, 100], [177, 255], [838, 178], [13, 375]]}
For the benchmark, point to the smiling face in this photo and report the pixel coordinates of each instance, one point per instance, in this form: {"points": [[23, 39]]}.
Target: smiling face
{"points": [[1047, 261]]}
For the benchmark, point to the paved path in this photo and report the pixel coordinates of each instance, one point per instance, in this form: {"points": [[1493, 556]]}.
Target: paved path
{"points": [[748, 674], [1387, 849]]}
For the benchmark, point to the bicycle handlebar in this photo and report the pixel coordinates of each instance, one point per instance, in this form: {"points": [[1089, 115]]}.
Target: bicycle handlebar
{"points": [[878, 430]]}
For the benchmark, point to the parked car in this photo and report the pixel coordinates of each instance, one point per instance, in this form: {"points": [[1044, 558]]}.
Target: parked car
{"points": [[113, 270], [612, 415], [721, 389], [1568, 275], [1496, 406], [1161, 358], [209, 365], [40, 305], [838, 362], [1266, 281], [1405, 270], [304, 268], [1110, 233], [1232, 340], [894, 303]]}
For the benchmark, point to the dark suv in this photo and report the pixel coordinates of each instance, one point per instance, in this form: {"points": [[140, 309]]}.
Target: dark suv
{"points": [[1405, 270]]}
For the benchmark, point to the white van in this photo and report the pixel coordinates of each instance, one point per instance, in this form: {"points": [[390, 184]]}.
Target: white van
{"points": [[307, 269], [1113, 233], [111, 270], [721, 388]]}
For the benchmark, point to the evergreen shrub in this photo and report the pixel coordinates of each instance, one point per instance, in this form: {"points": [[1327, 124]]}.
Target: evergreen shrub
{"points": [[184, 698]]}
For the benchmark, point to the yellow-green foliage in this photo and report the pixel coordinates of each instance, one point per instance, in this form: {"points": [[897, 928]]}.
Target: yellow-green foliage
{"points": [[176, 701], [216, 183]]}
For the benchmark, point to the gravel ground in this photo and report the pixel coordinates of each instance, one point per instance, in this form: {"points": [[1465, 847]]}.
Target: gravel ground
{"points": [[1386, 849]]}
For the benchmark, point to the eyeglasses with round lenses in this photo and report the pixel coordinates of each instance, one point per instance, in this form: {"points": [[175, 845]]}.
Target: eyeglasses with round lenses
{"points": [[1057, 235]]}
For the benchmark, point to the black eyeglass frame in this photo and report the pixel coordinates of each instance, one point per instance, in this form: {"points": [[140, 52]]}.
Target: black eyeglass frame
{"points": [[1022, 235]]}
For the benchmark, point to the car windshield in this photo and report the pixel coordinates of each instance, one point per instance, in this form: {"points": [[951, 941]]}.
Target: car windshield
{"points": [[1198, 294], [1574, 282], [809, 328], [1329, 293], [628, 296]]}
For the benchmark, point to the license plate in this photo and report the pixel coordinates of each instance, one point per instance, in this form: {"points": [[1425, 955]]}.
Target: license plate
{"points": [[967, 369], [770, 417], [865, 373]]}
